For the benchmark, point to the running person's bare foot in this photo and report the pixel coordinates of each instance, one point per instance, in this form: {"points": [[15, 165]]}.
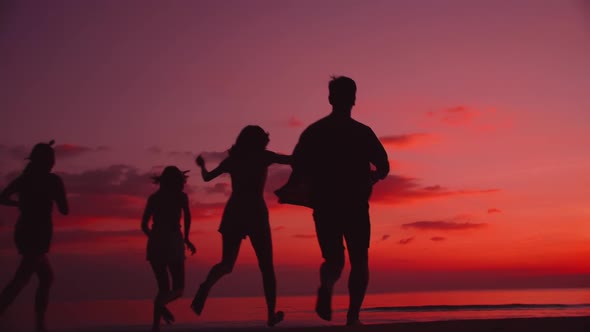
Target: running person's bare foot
{"points": [[354, 322], [199, 301], [323, 305], [167, 316], [276, 318]]}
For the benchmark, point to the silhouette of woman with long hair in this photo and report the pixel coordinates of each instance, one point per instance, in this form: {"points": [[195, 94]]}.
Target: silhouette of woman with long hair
{"points": [[245, 214], [165, 247], [37, 189]]}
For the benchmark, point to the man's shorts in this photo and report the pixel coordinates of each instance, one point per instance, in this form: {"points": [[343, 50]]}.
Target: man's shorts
{"points": [[333, 225]]}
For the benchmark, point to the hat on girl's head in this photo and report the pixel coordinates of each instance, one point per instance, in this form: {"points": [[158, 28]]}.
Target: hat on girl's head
{"points": [[42, 151]]}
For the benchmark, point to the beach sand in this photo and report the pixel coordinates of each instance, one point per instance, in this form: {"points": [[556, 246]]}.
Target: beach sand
{"points": [[549, 324]]}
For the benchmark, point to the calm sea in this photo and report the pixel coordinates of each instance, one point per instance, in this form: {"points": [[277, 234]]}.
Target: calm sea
{"points": [[250, 311]]}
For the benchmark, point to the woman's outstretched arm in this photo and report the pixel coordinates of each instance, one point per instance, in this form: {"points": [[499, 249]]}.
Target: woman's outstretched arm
{"points": [[208, 176]]}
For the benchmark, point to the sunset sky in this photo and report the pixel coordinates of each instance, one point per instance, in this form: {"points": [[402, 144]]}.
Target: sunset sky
{"points": [[482, 106]]}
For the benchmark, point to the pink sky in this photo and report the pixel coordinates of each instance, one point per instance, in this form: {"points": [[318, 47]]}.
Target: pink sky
{"points": [[482, 107]]}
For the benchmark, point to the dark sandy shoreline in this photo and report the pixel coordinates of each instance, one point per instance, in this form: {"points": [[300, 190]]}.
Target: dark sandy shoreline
{"points": [[548, 324]]}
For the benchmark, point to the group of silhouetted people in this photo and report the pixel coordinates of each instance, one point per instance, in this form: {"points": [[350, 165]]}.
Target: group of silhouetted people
{"points": [[332, 174]]}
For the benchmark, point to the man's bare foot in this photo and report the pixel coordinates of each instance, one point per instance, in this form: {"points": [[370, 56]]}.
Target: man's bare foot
{"points": [[323, 305], [354, 322]]}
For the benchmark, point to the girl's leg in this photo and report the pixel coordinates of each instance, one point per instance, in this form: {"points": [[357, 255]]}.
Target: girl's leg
{"points": [[25, 270], [177, 273], [161, 274], [231, 248], [45, 275], [262, 244]]}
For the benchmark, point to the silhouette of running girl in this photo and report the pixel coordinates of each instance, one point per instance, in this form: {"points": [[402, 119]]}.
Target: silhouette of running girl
{"points": [[165, 247], [245, 214], [37, 188]]}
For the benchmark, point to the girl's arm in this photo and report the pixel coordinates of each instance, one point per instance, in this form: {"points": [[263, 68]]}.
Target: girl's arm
{"points": [[11, 189], [187, 225], [208, 176], [61, 200], [147, 214]]}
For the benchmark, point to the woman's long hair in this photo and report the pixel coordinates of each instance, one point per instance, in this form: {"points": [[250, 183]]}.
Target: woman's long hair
{"points": [[251, 140], [42, 159], [172, 179]]}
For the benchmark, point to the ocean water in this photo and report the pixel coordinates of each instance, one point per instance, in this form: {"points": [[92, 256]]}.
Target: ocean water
{"points": [[251, 312]]}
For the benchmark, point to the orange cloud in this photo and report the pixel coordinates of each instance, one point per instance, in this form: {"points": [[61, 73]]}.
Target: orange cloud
{"points": [[406, 240], [406, 140], [398, 190]]}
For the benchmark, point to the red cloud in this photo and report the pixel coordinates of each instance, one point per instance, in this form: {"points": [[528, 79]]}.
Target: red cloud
{"points": [[304, 236], [458, 115], [219, 188], [398, 190], [407, 140], [73, 150], [443, 225], [70, 150], [437, 238], [385, 237], [488, 120], [206, 210], [494, 210], [406, 241]]}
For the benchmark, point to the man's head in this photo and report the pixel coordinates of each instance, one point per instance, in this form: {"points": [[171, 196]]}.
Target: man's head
{"points": [[342, 93]]}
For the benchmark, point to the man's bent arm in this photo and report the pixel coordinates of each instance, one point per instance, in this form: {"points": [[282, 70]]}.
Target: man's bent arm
{"points": [[378, 157]]}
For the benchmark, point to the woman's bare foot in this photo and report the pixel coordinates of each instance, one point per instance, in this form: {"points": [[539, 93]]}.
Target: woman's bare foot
{"points": [[276, 318]]}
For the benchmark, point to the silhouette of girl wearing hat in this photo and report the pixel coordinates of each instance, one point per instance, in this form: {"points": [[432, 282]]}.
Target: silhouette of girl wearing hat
{"points": [[165, 247]]}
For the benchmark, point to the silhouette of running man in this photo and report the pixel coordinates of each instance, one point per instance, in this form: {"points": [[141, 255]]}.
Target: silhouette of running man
{"points": [[335, 155], [245, 214], [165, 247], [37, 189]]}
